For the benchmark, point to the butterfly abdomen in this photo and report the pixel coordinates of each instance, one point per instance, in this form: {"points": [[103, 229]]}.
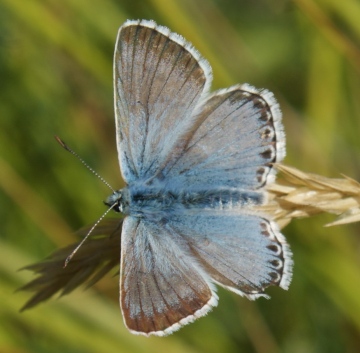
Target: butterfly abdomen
{"points": [[221, 198]]}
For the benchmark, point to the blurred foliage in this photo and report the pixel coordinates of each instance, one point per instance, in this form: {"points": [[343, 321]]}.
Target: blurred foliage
{"points": [[56, 79]]}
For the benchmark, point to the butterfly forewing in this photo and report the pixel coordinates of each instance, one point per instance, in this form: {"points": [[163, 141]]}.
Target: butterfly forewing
{"points": [[238, 138], [158, 80]]}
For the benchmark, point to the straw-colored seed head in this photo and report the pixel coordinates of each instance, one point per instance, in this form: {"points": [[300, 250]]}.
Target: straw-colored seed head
{"points": [[297, 194]]}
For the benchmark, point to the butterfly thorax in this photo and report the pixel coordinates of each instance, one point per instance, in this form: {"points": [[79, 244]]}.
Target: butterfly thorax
{"points": [[141, 200]]}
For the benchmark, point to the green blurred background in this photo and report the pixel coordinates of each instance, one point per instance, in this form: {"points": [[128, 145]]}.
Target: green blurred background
{"points": [[56, 78]]}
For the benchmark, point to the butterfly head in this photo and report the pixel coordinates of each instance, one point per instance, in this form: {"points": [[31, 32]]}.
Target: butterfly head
{"points": [[119, 201]]}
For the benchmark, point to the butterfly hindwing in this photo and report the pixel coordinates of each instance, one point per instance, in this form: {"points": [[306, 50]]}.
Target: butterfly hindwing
{"points": [[242, 252], [161, 287]]}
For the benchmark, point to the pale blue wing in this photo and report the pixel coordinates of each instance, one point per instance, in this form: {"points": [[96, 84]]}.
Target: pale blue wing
{"points": [[244, 253], [158, 80], [161, 287], [239, 136]]}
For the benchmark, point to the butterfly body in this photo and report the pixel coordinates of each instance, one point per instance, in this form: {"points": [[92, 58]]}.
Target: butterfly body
{"points": [[144, 201]]}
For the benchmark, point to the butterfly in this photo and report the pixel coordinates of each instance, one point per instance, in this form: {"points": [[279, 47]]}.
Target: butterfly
{"points": [[195, 166]]}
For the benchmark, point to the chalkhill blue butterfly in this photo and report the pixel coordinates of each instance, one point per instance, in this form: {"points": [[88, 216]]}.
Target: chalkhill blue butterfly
{"points": [[196, 166]]}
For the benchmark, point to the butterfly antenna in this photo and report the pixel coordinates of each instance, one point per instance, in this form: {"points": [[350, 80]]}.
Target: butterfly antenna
{"points": [[87, 235], [67, 148]]}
